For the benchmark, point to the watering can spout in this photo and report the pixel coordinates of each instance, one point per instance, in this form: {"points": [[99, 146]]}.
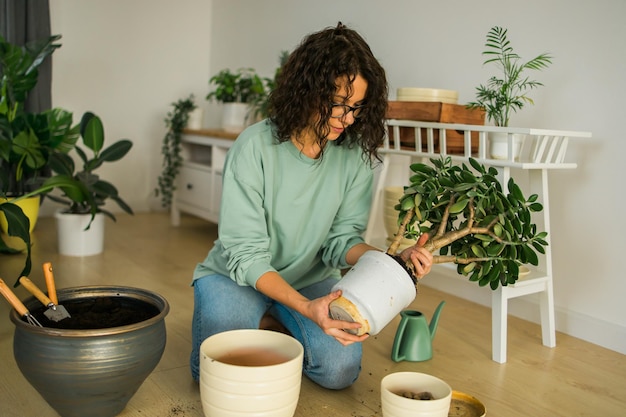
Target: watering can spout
{"points": [[434, 321]]}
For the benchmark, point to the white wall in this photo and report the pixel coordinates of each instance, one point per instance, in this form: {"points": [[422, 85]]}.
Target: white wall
{"points": [[128, 60]]}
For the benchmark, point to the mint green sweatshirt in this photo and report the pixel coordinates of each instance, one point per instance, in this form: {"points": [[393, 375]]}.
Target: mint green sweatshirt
{"points": [[282, 211]]}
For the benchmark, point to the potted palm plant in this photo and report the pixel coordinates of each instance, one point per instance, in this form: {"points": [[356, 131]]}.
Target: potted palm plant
{"points": [[237, 91], [463, 215], [506, 93], [83, 215]]}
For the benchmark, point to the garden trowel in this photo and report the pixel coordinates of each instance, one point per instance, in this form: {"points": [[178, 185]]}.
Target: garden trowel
{"points": [[54, 312]]}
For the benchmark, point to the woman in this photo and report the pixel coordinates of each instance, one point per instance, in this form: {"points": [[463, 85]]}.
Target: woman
{"points": [[296, 197]]}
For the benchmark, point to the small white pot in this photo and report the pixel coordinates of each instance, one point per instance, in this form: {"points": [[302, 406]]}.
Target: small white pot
{"points": [[234, 117], [394, 404], [374, 291], [195, 118], [74, 240], [499, 145]]}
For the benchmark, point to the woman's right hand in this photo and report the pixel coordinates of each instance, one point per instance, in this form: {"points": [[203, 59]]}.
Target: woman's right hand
{"points": [[318, 311]]}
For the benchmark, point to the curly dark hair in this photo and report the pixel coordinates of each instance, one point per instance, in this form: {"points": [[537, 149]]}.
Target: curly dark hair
{"points": [[306, 86]]}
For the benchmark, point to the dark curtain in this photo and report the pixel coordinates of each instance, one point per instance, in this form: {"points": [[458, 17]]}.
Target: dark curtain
{"points": [[23, 21]]}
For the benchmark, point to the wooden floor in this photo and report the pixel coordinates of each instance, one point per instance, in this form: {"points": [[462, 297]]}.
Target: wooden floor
{"points": [[574, 379]]}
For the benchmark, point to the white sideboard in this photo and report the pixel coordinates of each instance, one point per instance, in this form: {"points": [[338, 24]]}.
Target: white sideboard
{"points": [[199, 182]]}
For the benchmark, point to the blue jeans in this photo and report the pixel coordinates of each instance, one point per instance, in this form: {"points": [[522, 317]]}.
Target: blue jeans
{"points": [[220, 305]]}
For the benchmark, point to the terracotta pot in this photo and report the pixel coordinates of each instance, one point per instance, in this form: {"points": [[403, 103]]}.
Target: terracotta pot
{"points": [[94, 370]]}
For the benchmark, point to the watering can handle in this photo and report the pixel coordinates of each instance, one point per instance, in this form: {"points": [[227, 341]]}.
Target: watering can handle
{"points": [[12, 299], [395, 351]]}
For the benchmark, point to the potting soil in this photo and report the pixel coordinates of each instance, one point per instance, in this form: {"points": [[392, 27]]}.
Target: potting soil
{"points": [[99, 313]]}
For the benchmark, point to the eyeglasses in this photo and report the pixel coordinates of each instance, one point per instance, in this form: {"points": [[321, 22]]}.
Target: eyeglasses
{"points": [[339, 111]]}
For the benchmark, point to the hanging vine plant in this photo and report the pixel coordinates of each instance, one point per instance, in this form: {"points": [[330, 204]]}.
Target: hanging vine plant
{"points": [[175, 121]]}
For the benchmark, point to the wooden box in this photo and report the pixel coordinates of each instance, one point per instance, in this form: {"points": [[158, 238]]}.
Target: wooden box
{"points": [[426, 111]]}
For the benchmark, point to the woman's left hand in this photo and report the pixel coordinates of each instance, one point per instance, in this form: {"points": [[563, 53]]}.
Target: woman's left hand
{"points": [[421, 258]]}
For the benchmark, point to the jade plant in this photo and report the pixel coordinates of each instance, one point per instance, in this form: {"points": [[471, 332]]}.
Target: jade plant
{"points": [[470, 220], [507, 92]]}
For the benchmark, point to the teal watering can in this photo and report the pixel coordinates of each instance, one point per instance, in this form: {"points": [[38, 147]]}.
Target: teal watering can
{"points": [[414, 337]]}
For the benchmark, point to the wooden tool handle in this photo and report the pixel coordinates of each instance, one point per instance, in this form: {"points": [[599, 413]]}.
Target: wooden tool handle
{"points": [[34, 290], [52, 290], [12, 299]]}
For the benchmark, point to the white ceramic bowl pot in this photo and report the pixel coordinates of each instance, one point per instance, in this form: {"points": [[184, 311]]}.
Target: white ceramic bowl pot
{"points": [[400, 394], [374, 291], [250, 373]]}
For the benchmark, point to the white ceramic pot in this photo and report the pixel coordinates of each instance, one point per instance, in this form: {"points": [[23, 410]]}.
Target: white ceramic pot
{"points": [[499, 145], [374, 291], [74, 240], [234, 117], [195, 118], [395, 388], [250, 373]]}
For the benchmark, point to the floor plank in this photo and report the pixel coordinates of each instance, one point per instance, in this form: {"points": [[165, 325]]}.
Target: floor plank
{"points": [[575, 378]]}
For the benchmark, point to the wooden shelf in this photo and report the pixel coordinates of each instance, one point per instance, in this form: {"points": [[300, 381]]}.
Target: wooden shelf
{"points": [[213, 133]]}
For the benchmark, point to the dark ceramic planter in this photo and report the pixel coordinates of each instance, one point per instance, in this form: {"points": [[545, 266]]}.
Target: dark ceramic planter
{"points": [[91, 371]]}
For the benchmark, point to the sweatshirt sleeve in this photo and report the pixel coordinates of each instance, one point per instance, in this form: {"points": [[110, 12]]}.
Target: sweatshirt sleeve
{"points": [[242, 227]]}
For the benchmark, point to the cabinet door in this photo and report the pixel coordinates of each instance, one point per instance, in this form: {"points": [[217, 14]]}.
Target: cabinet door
{"points": [[216, 196], [194, 187]]}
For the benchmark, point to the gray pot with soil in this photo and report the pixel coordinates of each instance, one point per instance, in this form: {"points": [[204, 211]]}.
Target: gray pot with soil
{"points": [[97, 359]]}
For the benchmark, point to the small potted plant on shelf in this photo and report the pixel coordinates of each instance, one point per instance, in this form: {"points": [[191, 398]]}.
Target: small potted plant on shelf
{"points": [[175, 122], [237, 91], [464, 216], [260, 104], [507, 92], [85, 211]]}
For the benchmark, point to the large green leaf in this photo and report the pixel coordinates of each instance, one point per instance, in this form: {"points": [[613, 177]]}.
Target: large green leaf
{"points": [[18, 225], [92, 131]]}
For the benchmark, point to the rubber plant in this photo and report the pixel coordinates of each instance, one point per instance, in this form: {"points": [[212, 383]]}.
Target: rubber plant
{"points": [[470, 221], [506, 93], [83, 192], [96, 191], [175, 122]]}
